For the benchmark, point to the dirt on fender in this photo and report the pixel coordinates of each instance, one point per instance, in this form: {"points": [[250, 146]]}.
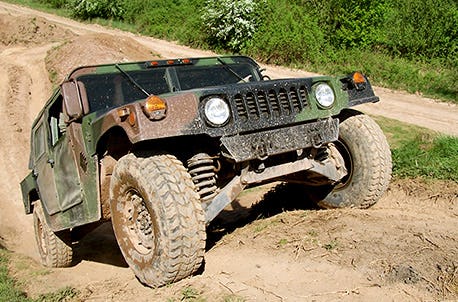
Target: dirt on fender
{"points": [[266, 246]]}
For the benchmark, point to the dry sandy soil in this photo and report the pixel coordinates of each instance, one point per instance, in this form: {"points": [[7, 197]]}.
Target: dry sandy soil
{"points": [[405, 248]]}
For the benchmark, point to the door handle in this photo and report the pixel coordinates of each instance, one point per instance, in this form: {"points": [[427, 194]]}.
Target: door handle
{"points": [[51, 162]]}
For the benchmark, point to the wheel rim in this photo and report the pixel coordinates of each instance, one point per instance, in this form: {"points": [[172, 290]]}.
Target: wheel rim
{"points": [[139, 223], [349, 165]]}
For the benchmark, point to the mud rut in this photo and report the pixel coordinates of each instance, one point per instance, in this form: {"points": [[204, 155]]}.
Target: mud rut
{"points": [[404, 248]]}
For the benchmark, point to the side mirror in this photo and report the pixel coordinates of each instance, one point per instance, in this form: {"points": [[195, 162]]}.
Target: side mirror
{"points": [[73, 107]]}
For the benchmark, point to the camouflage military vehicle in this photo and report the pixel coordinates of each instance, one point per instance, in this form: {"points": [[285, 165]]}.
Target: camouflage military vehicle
{"points": [[161, 147]]}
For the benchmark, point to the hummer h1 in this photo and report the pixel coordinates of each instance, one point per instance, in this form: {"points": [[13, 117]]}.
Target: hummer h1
{"points": [[161, 147]]}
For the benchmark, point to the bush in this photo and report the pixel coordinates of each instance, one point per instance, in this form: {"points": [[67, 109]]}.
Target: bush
{"points": [[55, 3], [89, 9], [230, 23], [172, 20], [423, 28], [351, 23], [287, 35]]}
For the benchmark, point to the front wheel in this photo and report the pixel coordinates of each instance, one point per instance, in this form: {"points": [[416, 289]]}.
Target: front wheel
{"points": [[157, 218], [367, 157], [55, 249]]}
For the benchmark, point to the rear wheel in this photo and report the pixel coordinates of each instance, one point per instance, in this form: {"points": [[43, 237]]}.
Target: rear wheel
{"points": [[367, 157], [55, 249], [157, 218]]}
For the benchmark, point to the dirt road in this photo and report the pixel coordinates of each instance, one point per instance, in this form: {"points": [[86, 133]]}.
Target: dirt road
{"points": [[403, 249]]}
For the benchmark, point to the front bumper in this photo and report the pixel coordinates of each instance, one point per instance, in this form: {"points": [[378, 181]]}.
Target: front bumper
{"points": [[260, 145]]}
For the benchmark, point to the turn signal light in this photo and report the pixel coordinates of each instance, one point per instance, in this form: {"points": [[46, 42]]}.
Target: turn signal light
{"points": [[155, 107], [359, 81]]}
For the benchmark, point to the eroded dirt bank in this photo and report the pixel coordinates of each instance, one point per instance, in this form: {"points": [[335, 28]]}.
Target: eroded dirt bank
{"points": [[403, 249]]}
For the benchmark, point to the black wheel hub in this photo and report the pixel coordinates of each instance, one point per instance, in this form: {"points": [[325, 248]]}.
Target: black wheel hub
{"points": [[140, 223]]}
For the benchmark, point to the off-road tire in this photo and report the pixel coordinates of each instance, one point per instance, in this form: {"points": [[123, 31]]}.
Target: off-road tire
{"points": [[368, 161], [55, 249], [157, 218]]}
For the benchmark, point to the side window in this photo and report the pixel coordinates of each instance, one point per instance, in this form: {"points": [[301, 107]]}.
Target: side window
{"points": [[56, 120], [39, 141]]}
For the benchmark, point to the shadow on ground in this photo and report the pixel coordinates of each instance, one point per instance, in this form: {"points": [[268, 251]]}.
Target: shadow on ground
{"points": [[280, 198], [100, 246]]}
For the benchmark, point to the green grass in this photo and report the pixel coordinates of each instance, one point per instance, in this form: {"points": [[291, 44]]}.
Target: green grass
{"points": [[10, 291], [419, 152], [428, 157]]}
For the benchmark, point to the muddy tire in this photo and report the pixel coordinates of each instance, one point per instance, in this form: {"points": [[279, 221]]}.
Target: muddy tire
{"points": [[157, 218], [55, 249], [368, 161]]}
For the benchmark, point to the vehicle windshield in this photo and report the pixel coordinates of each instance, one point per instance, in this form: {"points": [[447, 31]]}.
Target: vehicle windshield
{"points": [[109, 90]]}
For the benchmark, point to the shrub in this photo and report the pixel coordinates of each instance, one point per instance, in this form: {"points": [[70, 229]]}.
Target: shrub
{"points": [[89, 9], [424, 28], [350, 23], [287, 35], [55, 3], [231, 23]]}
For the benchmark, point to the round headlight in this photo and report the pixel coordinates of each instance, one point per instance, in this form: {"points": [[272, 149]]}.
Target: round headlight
{"points": [[324, 95], [217, 111]]}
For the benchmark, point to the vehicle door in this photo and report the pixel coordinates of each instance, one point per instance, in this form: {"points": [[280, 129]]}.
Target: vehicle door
{"points": [[59, 179]]}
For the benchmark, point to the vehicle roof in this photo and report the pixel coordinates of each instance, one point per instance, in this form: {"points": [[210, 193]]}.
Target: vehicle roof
{"points": [[143, 65]]}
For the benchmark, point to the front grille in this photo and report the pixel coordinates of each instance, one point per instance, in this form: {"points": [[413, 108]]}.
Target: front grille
{"points": [[270, 103]]}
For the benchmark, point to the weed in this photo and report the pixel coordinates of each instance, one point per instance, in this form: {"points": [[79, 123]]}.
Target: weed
{"points": [[233, 298], [312, 233], [331, 245], [191, 294], [64, 294], [282, 242]]}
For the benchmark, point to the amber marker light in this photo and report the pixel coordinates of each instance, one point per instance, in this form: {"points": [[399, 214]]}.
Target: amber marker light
{"points": [[359, 81], [132, 119], [155, 107]]}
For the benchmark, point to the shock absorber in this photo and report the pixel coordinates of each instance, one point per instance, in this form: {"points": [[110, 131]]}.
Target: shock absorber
{"points": [[203, 173]]}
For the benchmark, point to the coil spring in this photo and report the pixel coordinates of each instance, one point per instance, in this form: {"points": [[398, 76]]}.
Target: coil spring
{"points": [[202, 169]]}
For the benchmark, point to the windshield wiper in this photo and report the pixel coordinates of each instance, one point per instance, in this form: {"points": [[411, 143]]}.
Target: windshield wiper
{"points": [[132, 81], [228, 68]]}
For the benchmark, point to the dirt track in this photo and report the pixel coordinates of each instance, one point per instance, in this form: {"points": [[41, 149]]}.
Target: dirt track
{"points": [[403, 249]]}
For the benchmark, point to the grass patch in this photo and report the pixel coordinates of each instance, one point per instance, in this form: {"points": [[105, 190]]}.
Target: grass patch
{"points": [[8, 287], [419, 152], [65, 294], [189, 294], [10, 290], [428, 157]]}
